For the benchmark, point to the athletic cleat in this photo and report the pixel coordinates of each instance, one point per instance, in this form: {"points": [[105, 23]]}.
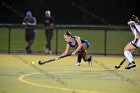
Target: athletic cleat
{"points": [[77, 64], [28, 50], [46, 51], [50, 52], [90, 61], [130, 65]]}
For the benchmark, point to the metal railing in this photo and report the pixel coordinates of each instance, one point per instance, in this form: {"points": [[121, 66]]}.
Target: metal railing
{"points": [[105, 41]]}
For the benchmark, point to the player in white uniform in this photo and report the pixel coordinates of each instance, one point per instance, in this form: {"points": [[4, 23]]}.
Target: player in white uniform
{"points": [[134, 24]]}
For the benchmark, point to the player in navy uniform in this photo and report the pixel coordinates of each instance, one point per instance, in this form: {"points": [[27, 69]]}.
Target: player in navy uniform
{"points": [[29, 24], [80, 46], [49, 27], [134, 24]]}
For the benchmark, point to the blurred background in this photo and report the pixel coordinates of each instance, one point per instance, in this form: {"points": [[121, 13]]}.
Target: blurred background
{"points": [[116, 12], [102, 22]]}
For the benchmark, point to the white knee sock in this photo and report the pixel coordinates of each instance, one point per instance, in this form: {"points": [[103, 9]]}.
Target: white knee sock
{"points": [[129, 56]]}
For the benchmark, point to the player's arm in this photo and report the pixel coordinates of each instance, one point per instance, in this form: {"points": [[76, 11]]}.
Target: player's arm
{"points": [[79, 45], [24, 22], [66, 51], [34, 23], [52, 21], [131, 23]]}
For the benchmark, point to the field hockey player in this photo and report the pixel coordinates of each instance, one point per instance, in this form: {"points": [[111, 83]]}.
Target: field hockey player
{"points": [[134, 24], [80, 46]]}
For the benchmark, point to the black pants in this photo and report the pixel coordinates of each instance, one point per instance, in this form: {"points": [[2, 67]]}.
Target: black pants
{"points": [[49, 36]]}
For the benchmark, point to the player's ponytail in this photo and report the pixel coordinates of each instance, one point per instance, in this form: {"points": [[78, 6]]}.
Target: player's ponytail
{"points": [[68, 33]]}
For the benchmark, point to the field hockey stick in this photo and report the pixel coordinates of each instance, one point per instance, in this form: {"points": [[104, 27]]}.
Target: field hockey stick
{"points": [[117, 67], [52, 60]]}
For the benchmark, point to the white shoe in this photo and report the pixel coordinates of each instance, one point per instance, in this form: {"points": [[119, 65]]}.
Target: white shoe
{"points": [[46, 51], [131, 65], [50, 52], [90, 61], [77, 64]]}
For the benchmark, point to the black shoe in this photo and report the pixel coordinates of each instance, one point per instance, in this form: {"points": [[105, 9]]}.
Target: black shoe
{"points": [[134, 65], [28, 50], [131, 65]]}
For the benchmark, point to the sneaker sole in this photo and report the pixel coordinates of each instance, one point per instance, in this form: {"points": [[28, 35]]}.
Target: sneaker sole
{"points": [[130, 67]]}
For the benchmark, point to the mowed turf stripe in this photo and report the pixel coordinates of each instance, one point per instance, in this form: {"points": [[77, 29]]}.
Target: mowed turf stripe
{"points": [[21, 78]]}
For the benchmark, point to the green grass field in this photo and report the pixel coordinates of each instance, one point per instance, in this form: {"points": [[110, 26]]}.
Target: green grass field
{"points": [[18, 75], [115, 40]]}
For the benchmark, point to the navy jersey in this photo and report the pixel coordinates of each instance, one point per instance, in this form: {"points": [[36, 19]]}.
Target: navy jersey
{"points": [[29, 20], [75, 44]]}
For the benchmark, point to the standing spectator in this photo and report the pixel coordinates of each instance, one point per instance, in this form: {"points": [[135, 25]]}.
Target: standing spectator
{"points": [[49, 27], [29, 24]]}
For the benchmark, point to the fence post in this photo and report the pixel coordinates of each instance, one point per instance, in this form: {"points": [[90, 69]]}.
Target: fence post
{"points": [[9, 39], [56, 40], [105, 40]]}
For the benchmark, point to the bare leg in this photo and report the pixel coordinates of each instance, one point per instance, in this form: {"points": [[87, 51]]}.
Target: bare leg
{"points": [[127, 52]]}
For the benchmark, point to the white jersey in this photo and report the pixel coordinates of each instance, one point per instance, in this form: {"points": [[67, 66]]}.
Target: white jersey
{"points": [[135, 27]]}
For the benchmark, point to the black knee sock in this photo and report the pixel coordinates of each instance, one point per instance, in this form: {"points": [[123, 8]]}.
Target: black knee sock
{"points": [[79, 56]]}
